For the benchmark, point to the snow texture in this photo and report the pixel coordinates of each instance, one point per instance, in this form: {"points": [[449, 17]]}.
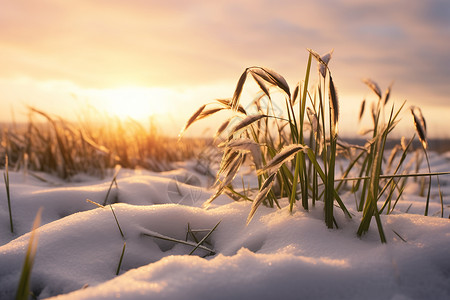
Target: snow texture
{"points": [[277, 256]]}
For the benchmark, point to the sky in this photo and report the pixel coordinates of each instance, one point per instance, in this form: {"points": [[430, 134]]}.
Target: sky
{"points": [[167, 58]]}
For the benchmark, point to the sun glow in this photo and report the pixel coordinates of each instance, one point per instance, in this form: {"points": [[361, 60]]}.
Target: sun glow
{"points": [[138, 103]]}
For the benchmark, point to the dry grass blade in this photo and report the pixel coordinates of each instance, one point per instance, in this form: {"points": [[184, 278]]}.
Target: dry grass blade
{"points": [[316, 55], [295, 94], [361, 110], [225, 102], [231, 169], [373, 86], [207, 113], [313, 120], [261, 84], [271, 77], [95, 203], [324, 65], [316, 128], [204, 238], [265, 188], [403, 143], [228, 157], [166, 238], [392, 156], [238, 91], [281, 82], [192, 119], [246, 122], [334, 107], [286, 154], [228, 102], [374, 113], [114, 180], [387, 94], [93, 144], [421, 127], [61, 139], [250, 146], [327, 57], [222, 128], [322, 60]]}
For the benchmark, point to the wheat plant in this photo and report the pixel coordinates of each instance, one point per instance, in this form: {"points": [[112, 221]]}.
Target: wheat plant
{"points": [[292, 164]]}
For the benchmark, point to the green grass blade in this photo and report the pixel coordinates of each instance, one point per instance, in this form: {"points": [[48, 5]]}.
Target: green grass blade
{"points": [[8, 195], [395, 176], [23, 288], [312, 157], [292, 197], [117, 221], [114, 180], [329, 192], [121, 258], [166, 238]]}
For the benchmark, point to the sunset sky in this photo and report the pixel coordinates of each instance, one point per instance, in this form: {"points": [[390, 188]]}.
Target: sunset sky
{"points": [[174, 55]]}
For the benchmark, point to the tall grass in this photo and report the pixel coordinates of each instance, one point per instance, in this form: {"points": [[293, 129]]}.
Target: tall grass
{"points": [[421, 128], [51, 144], [292, 164]]}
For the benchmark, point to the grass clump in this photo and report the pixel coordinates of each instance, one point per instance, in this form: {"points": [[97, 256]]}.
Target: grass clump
{"points": [[295, 151], [53, 145]]}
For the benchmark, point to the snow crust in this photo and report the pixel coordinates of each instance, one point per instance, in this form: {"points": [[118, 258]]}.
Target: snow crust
{"points": [[277, 256]]}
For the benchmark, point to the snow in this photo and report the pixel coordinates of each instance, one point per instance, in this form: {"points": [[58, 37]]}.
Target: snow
{"points": [[277, 256]]}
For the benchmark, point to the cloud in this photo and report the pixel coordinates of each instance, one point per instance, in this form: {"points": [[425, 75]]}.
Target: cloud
{"points": [[169, 43]]}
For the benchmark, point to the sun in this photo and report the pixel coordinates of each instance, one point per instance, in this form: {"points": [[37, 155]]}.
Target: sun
{"points": [[138, 103]]}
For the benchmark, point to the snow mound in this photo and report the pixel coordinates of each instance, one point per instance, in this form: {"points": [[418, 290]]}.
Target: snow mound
{"points": [[277, 256]]}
